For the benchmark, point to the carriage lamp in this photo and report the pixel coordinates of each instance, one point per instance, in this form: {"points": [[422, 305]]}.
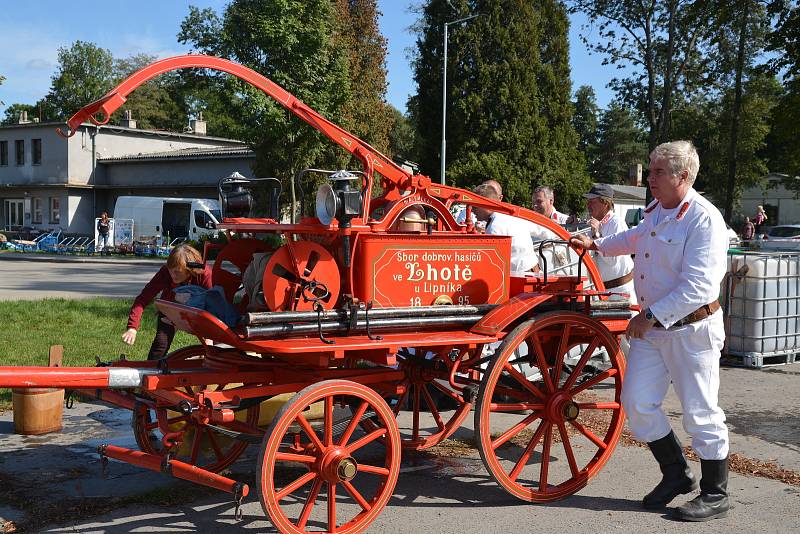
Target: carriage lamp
{"points": [[235, 200], [342, 201]]}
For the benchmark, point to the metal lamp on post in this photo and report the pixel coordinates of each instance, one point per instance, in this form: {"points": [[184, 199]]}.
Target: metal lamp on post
{"points": [[444, 93]]}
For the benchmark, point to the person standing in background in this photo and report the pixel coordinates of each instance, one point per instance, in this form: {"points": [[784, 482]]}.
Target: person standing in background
{"points": [[760, 219], [103, 231], [616, 271], [749, 230], [544, 203]]}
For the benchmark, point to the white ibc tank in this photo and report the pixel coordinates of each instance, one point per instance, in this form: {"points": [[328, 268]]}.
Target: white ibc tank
{"points": [[761, 295]]}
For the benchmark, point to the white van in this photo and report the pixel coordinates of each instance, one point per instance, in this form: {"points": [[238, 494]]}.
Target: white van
{"points": [[177, 217]]}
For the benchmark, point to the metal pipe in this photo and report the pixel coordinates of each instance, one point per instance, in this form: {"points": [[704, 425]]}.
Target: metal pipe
{"points": [[289, 329], [343, 314]]}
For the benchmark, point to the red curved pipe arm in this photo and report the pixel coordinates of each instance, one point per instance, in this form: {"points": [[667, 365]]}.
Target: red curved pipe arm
{"points": [[115, 98]]}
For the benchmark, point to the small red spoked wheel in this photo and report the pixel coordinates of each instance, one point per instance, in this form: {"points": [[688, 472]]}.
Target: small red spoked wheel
{"points": [[203, 446], [541, 432], [356, 470], [436, 409]]}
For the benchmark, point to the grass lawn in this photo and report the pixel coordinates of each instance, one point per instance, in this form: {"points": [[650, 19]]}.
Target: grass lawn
{"points": [[86, 328]]}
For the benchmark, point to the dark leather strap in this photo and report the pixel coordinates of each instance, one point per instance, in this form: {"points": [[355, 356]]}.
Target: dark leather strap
{"points": [[698, 315], [621, 281]]}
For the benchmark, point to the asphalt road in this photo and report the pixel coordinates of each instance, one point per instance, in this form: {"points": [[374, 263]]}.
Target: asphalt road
{"points": [[65, 277]]}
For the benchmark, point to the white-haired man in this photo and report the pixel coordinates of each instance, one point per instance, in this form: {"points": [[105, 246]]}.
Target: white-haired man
{"points": [[680, 262], [544, 203]]}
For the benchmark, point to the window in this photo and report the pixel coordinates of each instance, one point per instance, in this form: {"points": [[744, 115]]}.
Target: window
{"points": [[19, 145], [36, 149], [3, 153], [37, 210], [203, 220], [55, 210]]}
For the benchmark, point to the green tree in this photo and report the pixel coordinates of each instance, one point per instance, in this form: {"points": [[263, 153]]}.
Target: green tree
{"points": [[366, 114], [153, 104], [585, 118], [781, 146], [402, 136], [290, 42], [509, 109], [621, 144], [85, 73], [657, 44]]}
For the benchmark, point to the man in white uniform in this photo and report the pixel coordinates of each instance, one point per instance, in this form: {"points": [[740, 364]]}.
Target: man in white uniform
{"points": [[523, 255], [461, 216], [616, 271], [544, 202], [680, 262]]}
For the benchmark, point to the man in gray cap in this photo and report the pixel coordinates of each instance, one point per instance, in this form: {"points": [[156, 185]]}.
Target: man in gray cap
{"points": [[616, 271]]}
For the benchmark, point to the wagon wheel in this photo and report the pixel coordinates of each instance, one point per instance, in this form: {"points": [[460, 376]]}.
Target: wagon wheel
{"points": [[540, 438], [436, 410], [355, 469], [202, 445]]}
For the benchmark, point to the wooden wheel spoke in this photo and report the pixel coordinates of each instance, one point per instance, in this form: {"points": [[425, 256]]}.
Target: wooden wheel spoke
{"points": [[432, 406], [291, 457], [514, 430], [447, 391], [309, 505], [573, 466], [594, 381], [373, 469], [538, 351], [513, 407], [331, 507], [348, 433], [304, 424], [356, 495], [403, 397], [548, 440], [299, 483], [544, 426], [150, 426], [589, 435], [214, 445], [523, 381], [599, 405], [196, 445], [329, 420], [562, 352], [415, 414], [581, 363], [369, 438], [179, 419]]}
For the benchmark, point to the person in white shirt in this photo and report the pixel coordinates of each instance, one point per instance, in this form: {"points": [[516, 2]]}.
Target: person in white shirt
{"points": [[461, 216], [616, 271], [681, 259], [543, 202], [523, 255]]}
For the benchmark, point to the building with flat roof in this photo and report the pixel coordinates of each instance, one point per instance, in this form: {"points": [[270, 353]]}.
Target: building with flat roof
{"points": [[49, 182]]}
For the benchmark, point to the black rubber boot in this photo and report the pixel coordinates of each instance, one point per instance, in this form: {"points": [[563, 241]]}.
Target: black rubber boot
{"points": [[712, 502], [677, 477]]}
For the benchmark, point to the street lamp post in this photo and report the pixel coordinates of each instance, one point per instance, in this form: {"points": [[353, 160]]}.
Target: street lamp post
{"points": [[443, 154]]}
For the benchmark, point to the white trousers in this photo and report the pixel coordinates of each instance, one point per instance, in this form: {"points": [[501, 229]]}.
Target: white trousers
{"points": [[689, 357]]}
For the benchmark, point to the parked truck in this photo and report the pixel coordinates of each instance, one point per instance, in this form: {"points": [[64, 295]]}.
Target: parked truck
{"points": [[177, 217]]}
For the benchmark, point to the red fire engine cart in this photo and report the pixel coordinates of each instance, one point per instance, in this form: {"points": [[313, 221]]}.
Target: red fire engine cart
{"points": [[385, 322]]}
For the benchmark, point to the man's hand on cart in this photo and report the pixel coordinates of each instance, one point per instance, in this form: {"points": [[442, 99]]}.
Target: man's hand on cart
{"points": [[129, 336], [582, 241]]}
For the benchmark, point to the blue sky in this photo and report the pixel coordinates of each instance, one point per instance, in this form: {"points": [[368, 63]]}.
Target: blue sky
{"points": [[31, 33]]}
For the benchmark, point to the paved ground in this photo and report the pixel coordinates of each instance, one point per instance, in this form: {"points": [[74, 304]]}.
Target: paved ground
{"points": [[34, 276], [434, 494]]}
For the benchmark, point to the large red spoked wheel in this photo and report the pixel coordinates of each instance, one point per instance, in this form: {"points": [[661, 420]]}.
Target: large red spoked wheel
{"points": [[202, 445], [544, 424], [436, 410], [301, 460]]}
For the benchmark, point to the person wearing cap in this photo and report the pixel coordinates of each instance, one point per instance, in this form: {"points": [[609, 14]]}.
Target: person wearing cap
{"points": [[543, 201], [681, 259], [616, 271]]}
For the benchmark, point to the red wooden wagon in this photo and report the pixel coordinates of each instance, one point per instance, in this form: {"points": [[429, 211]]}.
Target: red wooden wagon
{"points": [[387, 322]]}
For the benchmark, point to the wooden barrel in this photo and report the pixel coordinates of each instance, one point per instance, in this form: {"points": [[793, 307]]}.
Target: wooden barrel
{"points": [[37, 410]]}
